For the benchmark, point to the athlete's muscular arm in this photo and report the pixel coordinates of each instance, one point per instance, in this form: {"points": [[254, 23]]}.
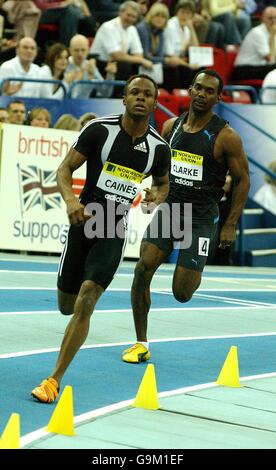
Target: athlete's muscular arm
{"points": [[167, 127], [229, 146], [156, 194], [75, 210]]}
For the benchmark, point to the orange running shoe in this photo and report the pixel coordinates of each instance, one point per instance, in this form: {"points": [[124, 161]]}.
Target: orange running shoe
{"points": [[47, 391]]}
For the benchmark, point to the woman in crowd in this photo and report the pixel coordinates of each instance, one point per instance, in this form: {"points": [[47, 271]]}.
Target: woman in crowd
{"points": [[56, 61]]}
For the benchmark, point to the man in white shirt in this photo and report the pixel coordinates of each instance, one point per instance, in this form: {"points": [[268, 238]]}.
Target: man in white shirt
{"points": [[118, 40], [179, 36], [21, 66], [80, 68], [257, 53], [269, 96]]}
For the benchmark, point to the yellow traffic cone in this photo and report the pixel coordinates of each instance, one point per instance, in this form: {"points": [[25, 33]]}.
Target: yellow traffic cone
{"points": [[147, 393], [229, 374], [62, 421], [10, 438]]}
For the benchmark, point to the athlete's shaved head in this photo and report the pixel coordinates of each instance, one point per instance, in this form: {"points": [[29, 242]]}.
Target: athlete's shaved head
{"points": [[141, 75]]}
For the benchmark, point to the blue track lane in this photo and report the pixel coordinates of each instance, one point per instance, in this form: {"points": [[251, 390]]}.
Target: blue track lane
{"points": [[32, 300], [53, 267], [100, 378]]}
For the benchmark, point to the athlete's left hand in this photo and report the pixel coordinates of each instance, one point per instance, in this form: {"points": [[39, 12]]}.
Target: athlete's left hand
{"points": [[148, 202], [227, 235]]}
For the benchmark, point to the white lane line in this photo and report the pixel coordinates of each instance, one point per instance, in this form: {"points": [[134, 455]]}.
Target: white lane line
{"points": [[161, 309], [159, 290], [31, 437], [226, 299], [124, 343], [165, 276]]}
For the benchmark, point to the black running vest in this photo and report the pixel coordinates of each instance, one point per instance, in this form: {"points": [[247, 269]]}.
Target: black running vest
{"points": [[195, 174]]}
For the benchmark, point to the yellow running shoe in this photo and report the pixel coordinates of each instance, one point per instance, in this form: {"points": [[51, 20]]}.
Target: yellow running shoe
{"points": [[137, 353], [47, 391]]}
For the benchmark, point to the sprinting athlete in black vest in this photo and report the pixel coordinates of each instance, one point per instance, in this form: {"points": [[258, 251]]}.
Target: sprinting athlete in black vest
{"points": [[204, 148], [119, 151]]}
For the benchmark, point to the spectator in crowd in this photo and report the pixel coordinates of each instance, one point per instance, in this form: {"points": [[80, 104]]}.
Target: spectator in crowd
{"points": [[256, 56], [269, 96], [24, 15], [4, 115], [226, 13], [80, 68], [118, 40], [17, 112], [39, 117], [104, 10], [86, 117], [21, 66], [67, 122], [208, 31], [151, 32], [144, 6], [56, 62], [2, 21], [266, 195], [65, 13], [179, 36]]}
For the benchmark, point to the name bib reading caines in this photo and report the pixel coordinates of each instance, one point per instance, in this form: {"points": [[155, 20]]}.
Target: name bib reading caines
{"points": [[117, 179], [187, 165]]}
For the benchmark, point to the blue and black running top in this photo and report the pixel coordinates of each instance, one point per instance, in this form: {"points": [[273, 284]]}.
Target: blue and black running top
{"points": [[196, 177], [116, 163]]}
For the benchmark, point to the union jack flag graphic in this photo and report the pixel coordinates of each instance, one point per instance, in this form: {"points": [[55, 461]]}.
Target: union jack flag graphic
{"points": [[78, 184], [38, 186]]}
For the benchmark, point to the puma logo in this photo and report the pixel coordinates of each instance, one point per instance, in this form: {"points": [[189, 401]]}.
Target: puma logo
{"points": [[208, 134]]}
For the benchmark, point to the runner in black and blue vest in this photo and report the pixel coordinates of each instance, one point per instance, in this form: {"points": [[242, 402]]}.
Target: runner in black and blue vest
{"points": [[119, 152], [204, 148]]}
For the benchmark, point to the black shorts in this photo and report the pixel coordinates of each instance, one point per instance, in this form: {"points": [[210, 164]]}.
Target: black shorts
{"points": [[192, 242], [84, 259]]}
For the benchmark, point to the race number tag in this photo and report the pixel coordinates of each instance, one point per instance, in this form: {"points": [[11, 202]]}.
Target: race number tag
{"points": [[117, 179], [203, 246]]}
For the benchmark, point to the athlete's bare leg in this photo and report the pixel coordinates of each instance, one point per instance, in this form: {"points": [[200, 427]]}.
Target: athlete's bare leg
{"points": [[150, 259], [78, 327], [185, 283], [66, 302]]}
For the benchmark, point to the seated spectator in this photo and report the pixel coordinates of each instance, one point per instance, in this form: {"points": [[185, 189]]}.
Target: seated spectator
{"points": [[118, 40], [39, 117], [21, 66], [144, 6], [179, 36], [86, 117], [151, 32], [24, 15], [4, 115], [226, 12], [17, 112], [266, 195], [256, 56], [103, 10], [56, 62], [67, 122], [65, 13], [208, 31], [80, 68], [269, 96]]}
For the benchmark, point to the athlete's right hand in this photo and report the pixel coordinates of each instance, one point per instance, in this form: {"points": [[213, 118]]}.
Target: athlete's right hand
{"points": [[76, 212]]}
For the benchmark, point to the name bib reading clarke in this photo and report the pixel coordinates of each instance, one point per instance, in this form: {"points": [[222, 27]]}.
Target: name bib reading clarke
{"points": [[117, 179], [187, 165]]}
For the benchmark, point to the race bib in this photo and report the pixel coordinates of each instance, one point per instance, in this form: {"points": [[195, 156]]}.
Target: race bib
{"points": [[120, 180], [187, 165]]}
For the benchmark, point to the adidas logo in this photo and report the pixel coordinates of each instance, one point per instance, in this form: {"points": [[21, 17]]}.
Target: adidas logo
{"points": [[142, 147]]}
